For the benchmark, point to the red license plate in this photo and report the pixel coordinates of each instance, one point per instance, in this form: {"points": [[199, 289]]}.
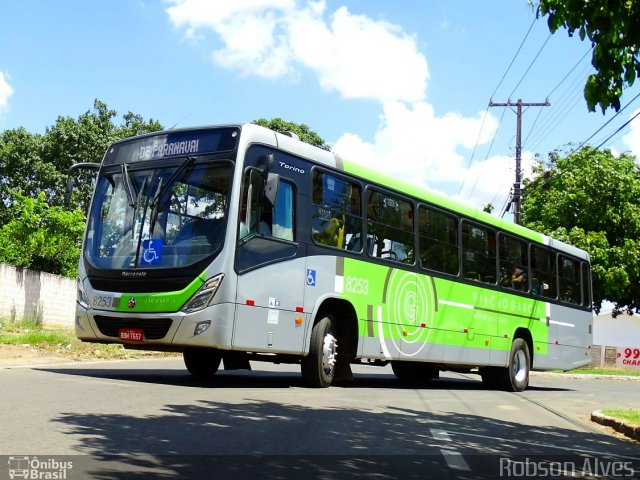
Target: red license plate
{"points": [[131, 334]]}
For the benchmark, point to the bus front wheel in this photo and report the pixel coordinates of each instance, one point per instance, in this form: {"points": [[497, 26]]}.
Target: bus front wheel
{"points": [[319, 366], [202, 362]]}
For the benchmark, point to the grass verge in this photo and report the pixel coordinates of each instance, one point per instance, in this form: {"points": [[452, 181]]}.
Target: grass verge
{"points": [[607, 371], [601, 371], [62, 342], [630, 416]]}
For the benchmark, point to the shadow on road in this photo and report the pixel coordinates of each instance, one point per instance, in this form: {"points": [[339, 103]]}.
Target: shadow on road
{"points": [[210, 439], [270, 379]]}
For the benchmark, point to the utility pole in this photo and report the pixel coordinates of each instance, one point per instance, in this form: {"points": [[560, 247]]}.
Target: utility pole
{"points": [[517, 185]]}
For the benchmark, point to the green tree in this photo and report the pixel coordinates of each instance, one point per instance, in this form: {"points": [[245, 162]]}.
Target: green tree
{"points": [[613, 28], [85, 139], [38, 163], [42, 237], [591, 199], [303, 131]]}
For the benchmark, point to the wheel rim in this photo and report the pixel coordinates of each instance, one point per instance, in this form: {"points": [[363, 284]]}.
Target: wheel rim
{"points": [[520, 370], [329, 353]]}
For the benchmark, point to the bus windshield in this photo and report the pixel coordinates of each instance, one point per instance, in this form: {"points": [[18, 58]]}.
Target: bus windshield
{"points": [[158, 217]]}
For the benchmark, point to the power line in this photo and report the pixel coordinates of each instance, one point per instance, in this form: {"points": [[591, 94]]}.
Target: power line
{"points": [[620, 128], [514, 57], [517, 184], [487, 156], [474, 150], [558, 102], [530, 65], [492, 95], [605, 124]]}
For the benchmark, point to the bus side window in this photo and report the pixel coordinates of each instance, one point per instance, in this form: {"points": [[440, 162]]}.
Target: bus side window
{"points": [[438, 239], [514, 264], [586, 285], [570, 285], [256, 217], [543, 272], [336, 216], [479, 253], [390, 227]]}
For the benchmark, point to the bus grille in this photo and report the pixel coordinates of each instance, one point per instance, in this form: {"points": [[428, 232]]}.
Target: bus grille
{"points": [[153, 328]]}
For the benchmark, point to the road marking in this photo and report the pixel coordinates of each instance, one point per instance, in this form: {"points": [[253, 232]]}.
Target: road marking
{"points": [[455, 460], [440, 435]]}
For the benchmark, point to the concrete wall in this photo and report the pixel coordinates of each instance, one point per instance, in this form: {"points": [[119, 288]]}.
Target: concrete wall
{"points": [[610, 333], [622, 331], [27, 294]]}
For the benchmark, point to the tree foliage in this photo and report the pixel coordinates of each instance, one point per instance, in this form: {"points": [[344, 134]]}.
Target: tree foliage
{"points": [[613, 27], [33, 168], [303, 131], [42, 237], [591, 199]]}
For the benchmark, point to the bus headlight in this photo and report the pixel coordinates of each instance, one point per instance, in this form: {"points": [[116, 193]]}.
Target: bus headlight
{"points": [[82, 295], [204, 295]]}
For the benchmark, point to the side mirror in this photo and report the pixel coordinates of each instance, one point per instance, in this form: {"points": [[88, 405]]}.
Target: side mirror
{"points": [[71, 183], [271, 188]]}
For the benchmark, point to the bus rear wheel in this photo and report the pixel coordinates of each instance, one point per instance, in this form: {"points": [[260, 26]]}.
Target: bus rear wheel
{"points": [[515, 378], [202, 362], [319, 367]]}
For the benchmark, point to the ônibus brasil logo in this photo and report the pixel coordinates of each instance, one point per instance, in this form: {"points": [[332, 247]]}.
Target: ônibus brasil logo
{"points": [[32, 467]]}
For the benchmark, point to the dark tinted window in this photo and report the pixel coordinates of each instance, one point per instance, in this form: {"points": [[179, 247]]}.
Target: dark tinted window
{"points": [[478, 253], [514, 263], [389, 227], [336, 215], [586, 285], [570, 282], [543, 272], [438, 241]]}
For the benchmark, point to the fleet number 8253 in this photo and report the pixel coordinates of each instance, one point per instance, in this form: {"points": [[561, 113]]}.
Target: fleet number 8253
{"points": [[359, 286]]}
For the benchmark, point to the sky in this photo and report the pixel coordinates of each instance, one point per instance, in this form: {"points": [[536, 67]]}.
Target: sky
{"points": [[401, 86]]}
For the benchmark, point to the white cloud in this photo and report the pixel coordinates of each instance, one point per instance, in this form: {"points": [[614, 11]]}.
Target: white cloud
{"points": [[352, 54], [632, 139], [5, 92], [357, 57], [491, 180], [414, 144]]}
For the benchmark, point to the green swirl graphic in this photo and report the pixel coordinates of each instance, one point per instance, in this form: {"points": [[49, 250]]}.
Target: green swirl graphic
{"points": [[409, 311]]}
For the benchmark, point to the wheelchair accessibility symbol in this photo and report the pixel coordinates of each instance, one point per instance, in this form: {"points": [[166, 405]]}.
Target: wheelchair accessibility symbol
{"points": [[311, 277], [152, 251]]}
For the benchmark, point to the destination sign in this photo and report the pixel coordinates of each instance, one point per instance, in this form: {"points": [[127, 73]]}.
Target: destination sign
{"points": [[173, 144]]}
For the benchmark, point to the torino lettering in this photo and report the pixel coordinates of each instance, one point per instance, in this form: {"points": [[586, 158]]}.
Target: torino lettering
{"points": [[291, 167]]}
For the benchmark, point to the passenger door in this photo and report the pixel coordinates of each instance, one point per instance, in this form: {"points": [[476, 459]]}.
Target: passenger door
{"points": [[271, 273]]}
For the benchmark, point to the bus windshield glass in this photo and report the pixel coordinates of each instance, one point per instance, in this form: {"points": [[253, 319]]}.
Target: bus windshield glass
{"points": [[161, 217]]}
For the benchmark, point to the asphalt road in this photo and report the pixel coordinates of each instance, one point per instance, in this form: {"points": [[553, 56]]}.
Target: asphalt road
{"points": [[135, 419]]}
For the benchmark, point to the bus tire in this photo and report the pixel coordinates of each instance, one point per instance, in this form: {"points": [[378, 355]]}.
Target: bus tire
{"points": [[202, 362], [515, 378], [319, 366]]}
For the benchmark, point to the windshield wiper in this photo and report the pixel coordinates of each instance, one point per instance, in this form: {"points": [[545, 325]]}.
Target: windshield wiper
{"points": [[129, 188], [162, 190]]}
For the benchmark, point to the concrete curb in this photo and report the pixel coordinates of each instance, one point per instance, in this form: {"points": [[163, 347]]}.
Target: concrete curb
{"points": [[617, 424], [588, 376]]}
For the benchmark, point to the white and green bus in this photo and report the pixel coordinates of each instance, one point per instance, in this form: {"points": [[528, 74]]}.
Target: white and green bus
{"points": [[236, 243]]}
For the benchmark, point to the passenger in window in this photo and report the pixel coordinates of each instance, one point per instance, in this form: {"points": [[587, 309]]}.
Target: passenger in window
{"points": [[518, 279], [568, 296]]}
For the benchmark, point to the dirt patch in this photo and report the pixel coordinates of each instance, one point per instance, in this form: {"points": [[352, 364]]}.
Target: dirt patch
{"points": [[15, 355]]}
